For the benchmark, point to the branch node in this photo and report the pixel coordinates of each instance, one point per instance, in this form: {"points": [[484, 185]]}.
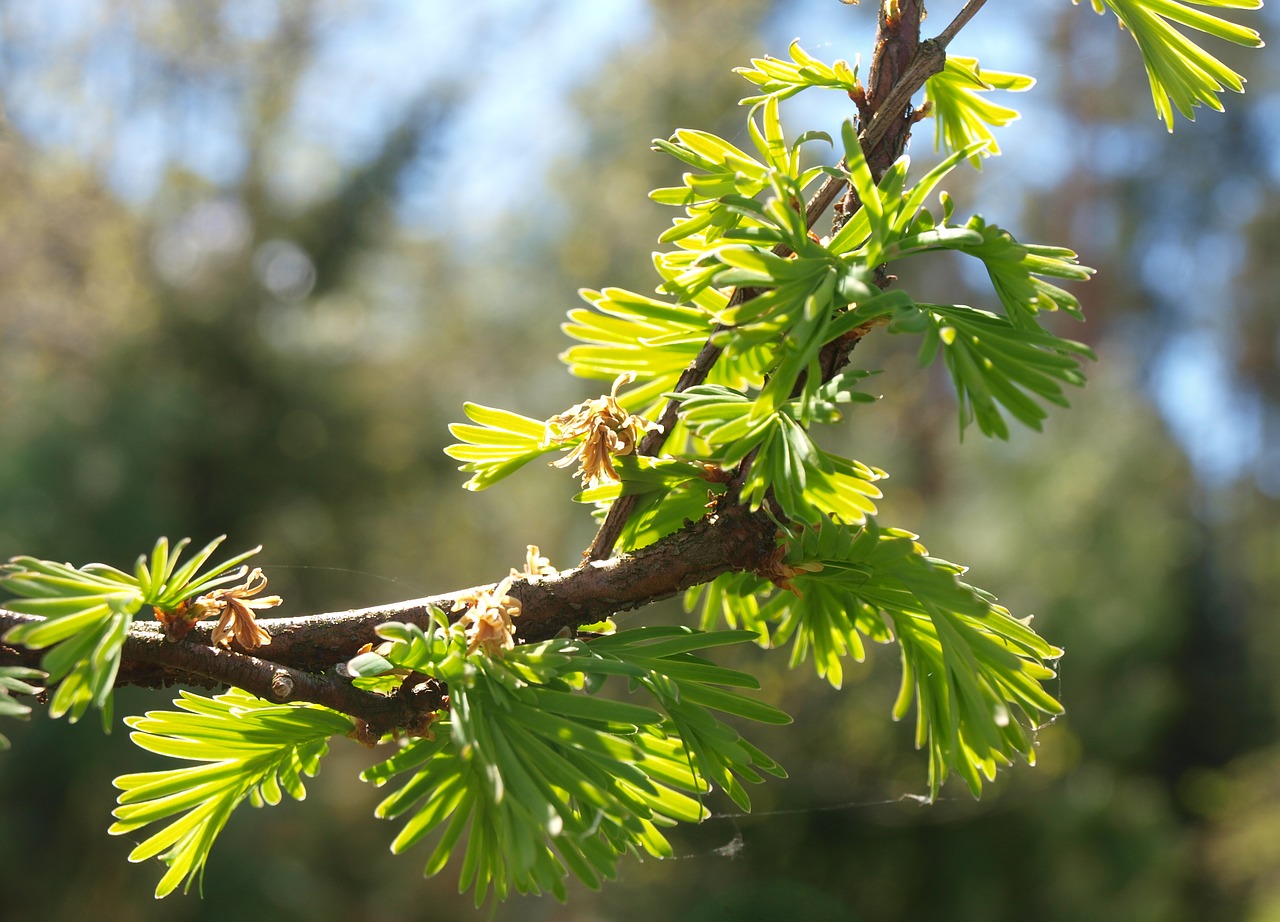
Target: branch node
{"points": [[282, 685]]}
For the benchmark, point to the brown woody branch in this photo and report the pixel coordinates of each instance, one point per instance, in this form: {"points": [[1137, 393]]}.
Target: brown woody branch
{"points": [[302, 661]]}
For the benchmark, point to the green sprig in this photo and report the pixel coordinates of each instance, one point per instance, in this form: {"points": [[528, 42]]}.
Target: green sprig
{"points": [[245, 747], [16, 680], [501, 444], [529, 755], [86, 611], [973, 672], [1182, 74], [778, 79], [963, 116], [994, 363]]}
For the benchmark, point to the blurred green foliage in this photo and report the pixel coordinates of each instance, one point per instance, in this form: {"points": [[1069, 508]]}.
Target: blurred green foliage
{"points": [[234, 355]]}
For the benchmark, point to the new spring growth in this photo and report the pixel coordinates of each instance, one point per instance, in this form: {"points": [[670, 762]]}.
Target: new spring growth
{"points": [[777, 571], [606, 429]]}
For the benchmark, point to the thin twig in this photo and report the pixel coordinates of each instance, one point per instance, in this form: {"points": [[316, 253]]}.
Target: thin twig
{"points": [[929, 59], [962, 19]]}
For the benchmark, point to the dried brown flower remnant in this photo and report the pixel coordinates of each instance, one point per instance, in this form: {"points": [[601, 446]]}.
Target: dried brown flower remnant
{"points": [[535, 564], [489, 623], [606, 429], [234, 607]]}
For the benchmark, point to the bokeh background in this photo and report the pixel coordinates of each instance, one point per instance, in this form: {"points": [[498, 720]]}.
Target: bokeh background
{"points": [[254, 255]]}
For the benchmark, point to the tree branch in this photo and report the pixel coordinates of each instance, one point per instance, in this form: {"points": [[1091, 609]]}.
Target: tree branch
{"points": [[302, 662]]}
